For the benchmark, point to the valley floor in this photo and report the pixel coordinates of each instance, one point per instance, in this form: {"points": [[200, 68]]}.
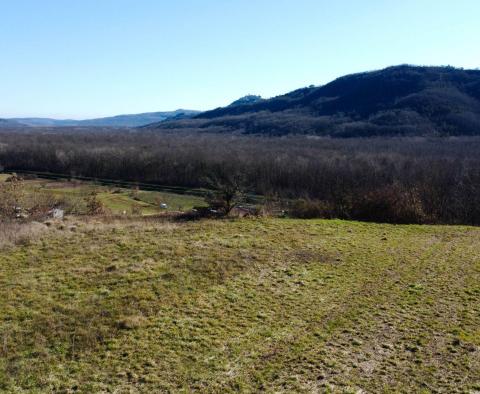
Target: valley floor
{"points": [[270, 305]]}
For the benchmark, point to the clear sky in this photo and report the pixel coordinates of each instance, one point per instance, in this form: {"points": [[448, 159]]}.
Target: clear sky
{"points": [[89, 58]]}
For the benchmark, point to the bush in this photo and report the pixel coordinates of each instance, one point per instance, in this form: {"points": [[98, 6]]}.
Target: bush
{"points": [[135, 210], [390, 204], [198, 213], [39, 205], [12, 194], [95, 206], [310, 209]]}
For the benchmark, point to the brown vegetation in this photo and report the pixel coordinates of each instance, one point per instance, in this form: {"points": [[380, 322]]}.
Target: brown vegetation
{"points": [[400, 180]]}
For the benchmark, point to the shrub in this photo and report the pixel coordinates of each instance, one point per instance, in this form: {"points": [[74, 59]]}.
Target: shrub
{"points": [[310, 209], [95, 206], [135, 210], [390, 204], [12, 194]]}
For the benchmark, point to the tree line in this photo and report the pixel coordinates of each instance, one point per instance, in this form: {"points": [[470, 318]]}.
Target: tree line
{"points": [[398, 180]]}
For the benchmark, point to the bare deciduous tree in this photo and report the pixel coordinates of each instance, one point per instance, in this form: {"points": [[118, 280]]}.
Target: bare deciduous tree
{"points": [[228, 190]]}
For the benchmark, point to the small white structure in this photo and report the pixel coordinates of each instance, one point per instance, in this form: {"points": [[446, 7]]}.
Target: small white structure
{"points": [[57, 213], [20, 213], [163, 206]]}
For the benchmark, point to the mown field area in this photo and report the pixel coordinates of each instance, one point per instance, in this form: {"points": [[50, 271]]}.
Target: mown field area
{"points": [[251, 305]]}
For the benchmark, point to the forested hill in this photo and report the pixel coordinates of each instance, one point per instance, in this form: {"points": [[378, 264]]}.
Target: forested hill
{"points": [[400, 100]]}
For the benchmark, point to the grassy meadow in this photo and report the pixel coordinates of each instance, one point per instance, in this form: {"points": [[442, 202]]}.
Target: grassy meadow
{"points": [[251, 305], [116, 200]]}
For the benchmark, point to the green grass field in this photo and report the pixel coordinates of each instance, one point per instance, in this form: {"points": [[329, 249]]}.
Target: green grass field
{"points": [[267, 305], [117, 200]]}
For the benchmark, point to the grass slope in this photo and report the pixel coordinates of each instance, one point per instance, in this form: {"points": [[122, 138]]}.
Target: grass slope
{"points": [[249, 306]]}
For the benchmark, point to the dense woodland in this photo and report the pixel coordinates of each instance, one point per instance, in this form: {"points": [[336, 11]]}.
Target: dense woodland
{"points": [[398, 180]]}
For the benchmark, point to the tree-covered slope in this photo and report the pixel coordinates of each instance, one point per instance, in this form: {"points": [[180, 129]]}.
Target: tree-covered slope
{"points": [[401, 100]]}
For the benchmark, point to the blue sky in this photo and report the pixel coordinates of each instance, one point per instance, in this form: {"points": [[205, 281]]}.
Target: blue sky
{"points": [[89, 58]]}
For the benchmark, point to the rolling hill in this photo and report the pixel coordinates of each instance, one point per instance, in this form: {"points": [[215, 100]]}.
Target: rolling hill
{"points": [[134, 120], [7, 123], [400, 100]]}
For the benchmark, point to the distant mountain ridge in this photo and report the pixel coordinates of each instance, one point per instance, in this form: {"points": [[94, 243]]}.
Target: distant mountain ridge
{"points": [[399, 100], [133, 120], [9, 123]]}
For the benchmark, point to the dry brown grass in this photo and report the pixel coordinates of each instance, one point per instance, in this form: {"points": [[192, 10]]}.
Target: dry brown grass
{"points": [[17, 233], [23, 232]]}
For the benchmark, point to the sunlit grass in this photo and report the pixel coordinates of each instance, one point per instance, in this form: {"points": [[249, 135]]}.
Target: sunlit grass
{"points": [[118, 200], [250, 305]]}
